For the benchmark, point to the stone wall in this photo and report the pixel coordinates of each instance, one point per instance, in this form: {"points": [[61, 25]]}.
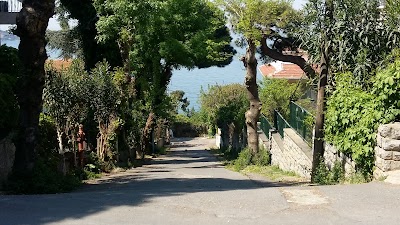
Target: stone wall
{"points": [[7, 155], [332, 155], [387, 151], [291, 153]]}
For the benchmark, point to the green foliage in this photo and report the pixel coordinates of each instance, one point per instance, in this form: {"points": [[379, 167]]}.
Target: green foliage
{"points": [[262, 158], [249, 17], [226, 104], [353, 115], [336, 175], [246, 158], [104, 93], [276, 94], [185, 31], [66, 41], [66, 94], [358, 36], [274, 173], [161, 150], [191, 126], [47, 145], [179, 102], [392, 10], [322, 175], [80, 40], [9, 69], [46, 177], [243, 160], [91, 171]]}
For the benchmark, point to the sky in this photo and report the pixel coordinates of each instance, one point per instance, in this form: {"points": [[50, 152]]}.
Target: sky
{"points": [[53, 24]]}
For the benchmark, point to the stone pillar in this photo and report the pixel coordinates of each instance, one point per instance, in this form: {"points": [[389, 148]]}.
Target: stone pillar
{"points": [[387, 151]]}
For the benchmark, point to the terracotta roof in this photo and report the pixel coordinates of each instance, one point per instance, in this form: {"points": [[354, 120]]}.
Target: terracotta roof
{"points": [[282, 70], [60, 64]]}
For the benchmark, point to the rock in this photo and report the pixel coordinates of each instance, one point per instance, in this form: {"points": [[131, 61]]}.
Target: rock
{"points": [[393, 177], [391, 131], [381, 153], [396, 156], [394, 165], [384, 165], [389, 144]]}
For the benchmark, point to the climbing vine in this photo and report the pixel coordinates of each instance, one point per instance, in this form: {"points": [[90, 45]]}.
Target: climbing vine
{"points": [[353, 114]]}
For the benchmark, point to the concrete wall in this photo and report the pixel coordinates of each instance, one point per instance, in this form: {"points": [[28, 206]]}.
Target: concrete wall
{"points": [[291, 153], [7, 155]]}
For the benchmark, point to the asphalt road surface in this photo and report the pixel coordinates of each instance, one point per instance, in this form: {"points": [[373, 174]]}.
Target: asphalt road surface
{"points": [[189, 186]]}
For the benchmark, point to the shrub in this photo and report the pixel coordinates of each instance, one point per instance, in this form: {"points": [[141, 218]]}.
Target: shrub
{"points": [[45, 179], [47, 176], [245, 158], [324, 176], [8, 77], [262, 158], [276, 94]]}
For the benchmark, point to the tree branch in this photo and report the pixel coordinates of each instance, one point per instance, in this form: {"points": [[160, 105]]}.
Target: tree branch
{"points": [[298, 60]]}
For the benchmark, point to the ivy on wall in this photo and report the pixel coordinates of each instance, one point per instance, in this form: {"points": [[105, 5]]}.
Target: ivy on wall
{"points": [[354, 114]]}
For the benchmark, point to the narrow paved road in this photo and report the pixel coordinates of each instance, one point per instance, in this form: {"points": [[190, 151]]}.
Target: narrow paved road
{"points": [[188, 186]]}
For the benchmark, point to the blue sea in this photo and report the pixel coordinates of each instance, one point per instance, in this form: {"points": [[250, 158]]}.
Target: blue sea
{"points": [[191, 81]]}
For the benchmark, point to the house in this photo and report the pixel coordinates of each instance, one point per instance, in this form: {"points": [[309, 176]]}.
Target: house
{"points": [[282, 70], [59, 64]]}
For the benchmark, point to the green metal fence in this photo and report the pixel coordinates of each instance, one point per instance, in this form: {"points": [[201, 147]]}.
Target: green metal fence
{"points": [[301, 121], [265, 125], [280, 123]]}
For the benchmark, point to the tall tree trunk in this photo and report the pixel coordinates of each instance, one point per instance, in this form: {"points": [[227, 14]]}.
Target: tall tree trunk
{"points": [[320, 116], [235, 136], [150, 123], [225, 135], [253, 114], [61, 150], [318, 153], [32, 23]]}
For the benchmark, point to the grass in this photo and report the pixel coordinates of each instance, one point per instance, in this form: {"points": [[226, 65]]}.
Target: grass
{"points": [[272, 172], [245, 163]]}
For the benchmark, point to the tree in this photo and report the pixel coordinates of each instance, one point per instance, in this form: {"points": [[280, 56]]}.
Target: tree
{"points": [[156, 37], [179, 102], [66, 100], [346, 36], [32, 23], [102, 99], [252, 19], [84, 34]]}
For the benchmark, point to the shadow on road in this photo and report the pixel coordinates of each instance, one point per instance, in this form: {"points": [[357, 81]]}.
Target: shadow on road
{"points": [[164, 177]]}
